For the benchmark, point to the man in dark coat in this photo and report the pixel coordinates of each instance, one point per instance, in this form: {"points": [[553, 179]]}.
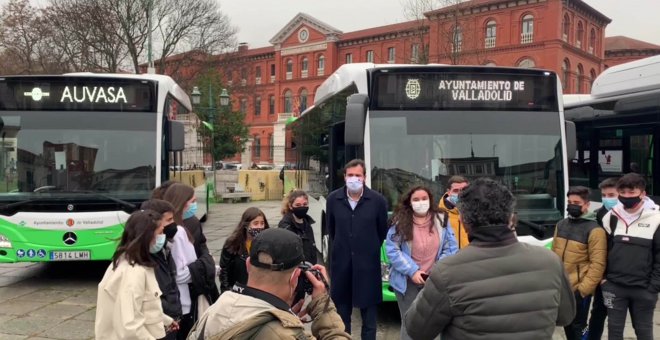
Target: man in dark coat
{"points": [[496, 288], [357, 224]]}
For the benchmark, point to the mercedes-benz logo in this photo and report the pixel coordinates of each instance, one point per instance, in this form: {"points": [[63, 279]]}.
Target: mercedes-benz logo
{"points": [[70, 238], [69, 207]]}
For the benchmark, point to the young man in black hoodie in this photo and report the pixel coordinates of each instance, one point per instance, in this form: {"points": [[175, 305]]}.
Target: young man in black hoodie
{"points": [[632, 281]]}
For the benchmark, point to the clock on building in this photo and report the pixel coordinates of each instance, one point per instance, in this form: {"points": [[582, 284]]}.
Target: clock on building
{"points": [[303, 35]]}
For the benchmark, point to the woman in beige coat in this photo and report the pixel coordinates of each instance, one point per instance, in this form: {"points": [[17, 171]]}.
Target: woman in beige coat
{"points": [[128, 303]]}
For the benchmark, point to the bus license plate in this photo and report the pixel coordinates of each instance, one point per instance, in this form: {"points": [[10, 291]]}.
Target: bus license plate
{"points": [[72, 255]]}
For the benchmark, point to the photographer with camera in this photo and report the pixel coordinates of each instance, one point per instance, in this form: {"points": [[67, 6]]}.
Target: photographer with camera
{"points": [[262, 308]]}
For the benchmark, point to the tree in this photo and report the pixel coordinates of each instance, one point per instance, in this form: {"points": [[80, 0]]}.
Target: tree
{"points": [[414, 10], [229, 127]]}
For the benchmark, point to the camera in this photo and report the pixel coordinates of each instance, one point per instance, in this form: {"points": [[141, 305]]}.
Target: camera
{"points": [[304, 285]]}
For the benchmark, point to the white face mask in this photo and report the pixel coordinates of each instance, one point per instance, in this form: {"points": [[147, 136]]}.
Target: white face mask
{"points": [[421, 207]]}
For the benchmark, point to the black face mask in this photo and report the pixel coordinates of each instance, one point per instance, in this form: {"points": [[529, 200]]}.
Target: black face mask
{"points": [[629, 202], [574, 210], [300, 212], [254, 232], [170, 230]]}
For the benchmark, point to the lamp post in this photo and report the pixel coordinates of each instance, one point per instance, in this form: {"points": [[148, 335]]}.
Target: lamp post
{"points": [[224, 102]]}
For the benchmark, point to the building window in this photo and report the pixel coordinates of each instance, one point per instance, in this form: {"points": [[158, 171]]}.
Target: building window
{"points": [[243, 107], [370, 56], [288, 102], [303, 100], [414, 53], [257, 105], [592, 41], [527, 35], [580, 78], [490, 64], [243, 76], [271, 105], [271, 145], [257, 75], [304, 65], [491, 34], [257, 146], [391, 54], [349, 58], [457, 39], [566, 24], [565, 71], [272, 73], [527, 63], [321, 66], [289, 69], [580, 35]]}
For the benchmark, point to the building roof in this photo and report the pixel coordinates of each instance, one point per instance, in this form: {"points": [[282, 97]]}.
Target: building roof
{"points": [[462, 5], [380, 30], [622, 43]]}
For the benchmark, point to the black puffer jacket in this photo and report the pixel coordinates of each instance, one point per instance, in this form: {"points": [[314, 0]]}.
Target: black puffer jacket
{"points": [[495, 288], [166, 276], [304, 231]]}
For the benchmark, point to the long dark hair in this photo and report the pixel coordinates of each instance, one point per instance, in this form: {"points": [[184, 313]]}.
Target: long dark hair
{"points": [[136, 239], [236, 241], [402, 218], [178, 194]]}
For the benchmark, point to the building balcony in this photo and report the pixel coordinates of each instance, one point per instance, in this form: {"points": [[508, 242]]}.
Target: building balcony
{"points": [[457, 47], [257, 80], [526, 38], [578, 44], [490, 42], [289, 75], [564, 37], [272, 79], [243, 82], [591, 50], [303, 73], [320, 72]]}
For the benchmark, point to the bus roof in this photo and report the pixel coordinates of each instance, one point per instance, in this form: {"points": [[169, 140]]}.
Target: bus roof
{"points": [[165, 84], [617, 82]]}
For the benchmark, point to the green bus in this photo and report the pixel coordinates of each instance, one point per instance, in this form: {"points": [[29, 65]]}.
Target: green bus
{"points": [[421, 124], [79, 152]]}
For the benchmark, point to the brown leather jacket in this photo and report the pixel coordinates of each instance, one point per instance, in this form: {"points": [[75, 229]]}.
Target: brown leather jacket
{"points": [[581, 244]]}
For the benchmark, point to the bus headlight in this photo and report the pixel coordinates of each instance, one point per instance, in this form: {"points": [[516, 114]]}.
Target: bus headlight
{"points": [[385, 271], [4, 242]]}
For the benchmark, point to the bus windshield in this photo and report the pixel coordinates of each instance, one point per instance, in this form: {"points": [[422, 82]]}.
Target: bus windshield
{"points": [[76, 151], [519, 149]]}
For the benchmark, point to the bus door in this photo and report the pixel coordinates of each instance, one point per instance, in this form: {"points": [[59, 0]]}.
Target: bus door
{"points": [[624, 149]]}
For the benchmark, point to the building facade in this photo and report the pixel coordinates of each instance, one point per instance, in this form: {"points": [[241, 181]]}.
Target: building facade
{"points": [[272, 84]]}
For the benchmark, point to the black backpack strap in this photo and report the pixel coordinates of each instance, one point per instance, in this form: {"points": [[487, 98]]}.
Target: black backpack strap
{"points": [[613, 222], [446, 220]]}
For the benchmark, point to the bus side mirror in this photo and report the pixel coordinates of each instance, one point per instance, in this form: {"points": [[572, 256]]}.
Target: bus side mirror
{"points": [[176, 136], [571, 140], [356, 114]]}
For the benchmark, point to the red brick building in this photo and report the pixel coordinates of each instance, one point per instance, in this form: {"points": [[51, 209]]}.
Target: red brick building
{"points": [[619, 50], [271, 84]]}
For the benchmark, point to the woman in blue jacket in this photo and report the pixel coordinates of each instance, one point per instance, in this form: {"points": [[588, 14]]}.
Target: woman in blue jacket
{"points": [[418, 238]]}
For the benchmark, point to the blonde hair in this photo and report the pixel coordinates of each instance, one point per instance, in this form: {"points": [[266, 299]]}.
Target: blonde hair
{"points": [[290, 198]]}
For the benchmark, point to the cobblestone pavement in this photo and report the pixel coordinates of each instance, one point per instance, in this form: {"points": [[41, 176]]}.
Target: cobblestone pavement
{"points": [[58, 300]]}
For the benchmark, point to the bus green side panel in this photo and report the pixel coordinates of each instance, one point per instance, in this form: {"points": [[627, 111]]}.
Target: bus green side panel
{"points": [[101, 242], [388, 292]]}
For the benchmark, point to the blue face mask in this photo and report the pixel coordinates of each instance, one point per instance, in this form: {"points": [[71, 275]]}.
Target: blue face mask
{"points": [[453, 198], [160, 242], [354, 184], [610, 202], [190, 212]]}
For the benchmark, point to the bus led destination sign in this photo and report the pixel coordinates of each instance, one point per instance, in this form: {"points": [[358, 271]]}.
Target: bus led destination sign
{"points": [[464, 91], [484, 90], [76, 94]]}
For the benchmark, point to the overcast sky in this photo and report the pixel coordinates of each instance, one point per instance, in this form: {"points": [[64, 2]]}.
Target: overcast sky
{"points": [[259, 20]]}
